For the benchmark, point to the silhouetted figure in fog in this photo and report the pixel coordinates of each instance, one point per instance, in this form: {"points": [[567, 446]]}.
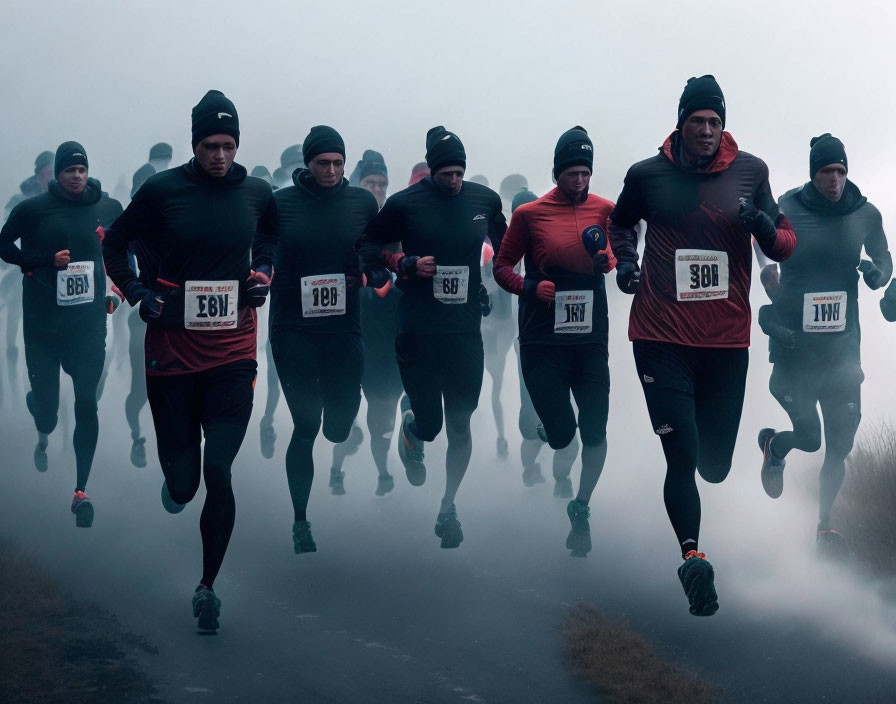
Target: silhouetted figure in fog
{"points": [[65, 302], [813, 324], [702, 199], [193, 228]]}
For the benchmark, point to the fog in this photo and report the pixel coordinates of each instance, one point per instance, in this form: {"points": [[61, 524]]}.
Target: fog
{"points": [[380, 613]]}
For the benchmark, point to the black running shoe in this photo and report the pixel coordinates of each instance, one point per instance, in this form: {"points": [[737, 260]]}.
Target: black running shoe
{"points": [[207, 608], [138, 452], [772, 468], [532, 475], [503, 449], [83, 510], [170, 505], [302, 541], [40, 458], [831, 545], [410, 451], [337, 478], [563, 488], [268, 438], [448, 528], [384, 484], [698, 580], [579, 538]]}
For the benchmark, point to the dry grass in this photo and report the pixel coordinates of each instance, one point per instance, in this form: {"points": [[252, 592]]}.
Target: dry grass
{"points": [[624, 666], [56, 650], [866, 507]]}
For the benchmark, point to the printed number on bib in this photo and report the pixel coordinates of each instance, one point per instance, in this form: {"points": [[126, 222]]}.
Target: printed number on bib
{"points": [[211, 305], [449, 285], [323, 295], [74, 285], [824, 312], [573, 312], [701, 274]]}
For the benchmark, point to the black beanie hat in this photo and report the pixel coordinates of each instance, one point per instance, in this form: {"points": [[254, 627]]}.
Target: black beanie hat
{"points": [[444, 148], [322, 140], [292, 155], [215, 114], [372, 163], [701, 93], [69, 154], [511, 185], [162, 150], [574, 148], [521, 198], [826, 150], [262, 173], [42, 160], [140, 176]]}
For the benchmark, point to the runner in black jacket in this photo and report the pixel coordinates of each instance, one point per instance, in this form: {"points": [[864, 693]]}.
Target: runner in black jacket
{"points": [[441, 223], [64, 303], [193, 228], [315, 317], [813, 324]]}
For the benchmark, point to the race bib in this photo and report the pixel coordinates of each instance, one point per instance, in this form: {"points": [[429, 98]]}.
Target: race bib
{"points": [[323, 295], [701, 274], [211, 305], [573, 311], [74, 284], [824, 312], [450, 283]]}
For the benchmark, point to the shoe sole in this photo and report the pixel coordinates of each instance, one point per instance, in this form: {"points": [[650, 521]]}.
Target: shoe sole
{"points": [[84, 515], [41, 463], [772, 480], [207, 613], [169, 504], [700, 588], [301, 550], [138, 457], [413, 469], [451, 537]]}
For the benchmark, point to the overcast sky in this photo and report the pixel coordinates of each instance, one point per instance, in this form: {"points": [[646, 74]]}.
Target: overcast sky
{"points": [[508, 77]]}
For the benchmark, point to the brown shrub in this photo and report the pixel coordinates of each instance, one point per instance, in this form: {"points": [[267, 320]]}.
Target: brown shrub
{"points": [[866, 507], [624, 666]]}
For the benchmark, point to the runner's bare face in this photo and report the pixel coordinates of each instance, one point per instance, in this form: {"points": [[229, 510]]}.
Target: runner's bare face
{"points": [[574, 181], [830, 181], [327, 169], [376, 184], [701, 134], [73, 180], [450, 179], [215, 154]]}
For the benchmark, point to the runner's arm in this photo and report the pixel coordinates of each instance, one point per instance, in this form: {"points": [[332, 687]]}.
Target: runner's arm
{"points": [[781, 246], [16, 224], [135, 221], [380, 244], [266, 235], [497, 227], [876, 245], [513, 248], [623, 223]]}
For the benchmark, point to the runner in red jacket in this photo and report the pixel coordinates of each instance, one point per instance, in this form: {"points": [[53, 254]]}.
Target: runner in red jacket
{"points": [[702, 199]]}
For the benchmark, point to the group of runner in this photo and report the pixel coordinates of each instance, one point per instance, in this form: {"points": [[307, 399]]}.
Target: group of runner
{"points": [[388, 296]]}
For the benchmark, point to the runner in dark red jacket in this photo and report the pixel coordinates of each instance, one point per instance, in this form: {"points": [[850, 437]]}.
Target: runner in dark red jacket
{"points": [[204, 234], [563, 314], [702, 199]]}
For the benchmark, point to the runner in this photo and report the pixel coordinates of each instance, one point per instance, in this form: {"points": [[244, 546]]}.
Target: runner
{"points": [[381, 382], [814, 333], [441, 223], [160, 156], [563, 319], [702, 198], [193, 228], [315, 312], [64, 304], [263, 173]]}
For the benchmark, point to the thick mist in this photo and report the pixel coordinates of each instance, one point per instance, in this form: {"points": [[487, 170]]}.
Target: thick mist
{"points": [[380, 613]]}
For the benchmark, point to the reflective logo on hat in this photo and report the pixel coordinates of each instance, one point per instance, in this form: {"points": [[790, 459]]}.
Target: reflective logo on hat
{"points": [[588, 147], [447, 136], [224, 114], [479, 217], [77, 154]]}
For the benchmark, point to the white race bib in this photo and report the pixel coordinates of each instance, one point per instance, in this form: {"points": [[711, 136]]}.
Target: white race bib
{"points": [[573, 311], [211, 305], [323, 295], [450, 283], [74, 284], [824, 312], [701, 274]]}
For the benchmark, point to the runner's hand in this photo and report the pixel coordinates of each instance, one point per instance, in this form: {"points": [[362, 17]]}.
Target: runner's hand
{"points": [[113, 300], [628, 277], [485, 301], [259, 285], [758, 223], [888, 302], [62, 258], [874, 277], [545, 291], [151, 307]]}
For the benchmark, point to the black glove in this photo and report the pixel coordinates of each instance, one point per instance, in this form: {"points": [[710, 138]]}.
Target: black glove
{"points": [[628, 277], [408, 266], [888, 302], [151, 307], [770, 325], [757, 222], [485, 301], [258, 285], [874, 276], [378, 277]]}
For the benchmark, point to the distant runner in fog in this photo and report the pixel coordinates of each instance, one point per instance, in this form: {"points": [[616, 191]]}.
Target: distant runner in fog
{"points": [[813, 324], [702, 199]]}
